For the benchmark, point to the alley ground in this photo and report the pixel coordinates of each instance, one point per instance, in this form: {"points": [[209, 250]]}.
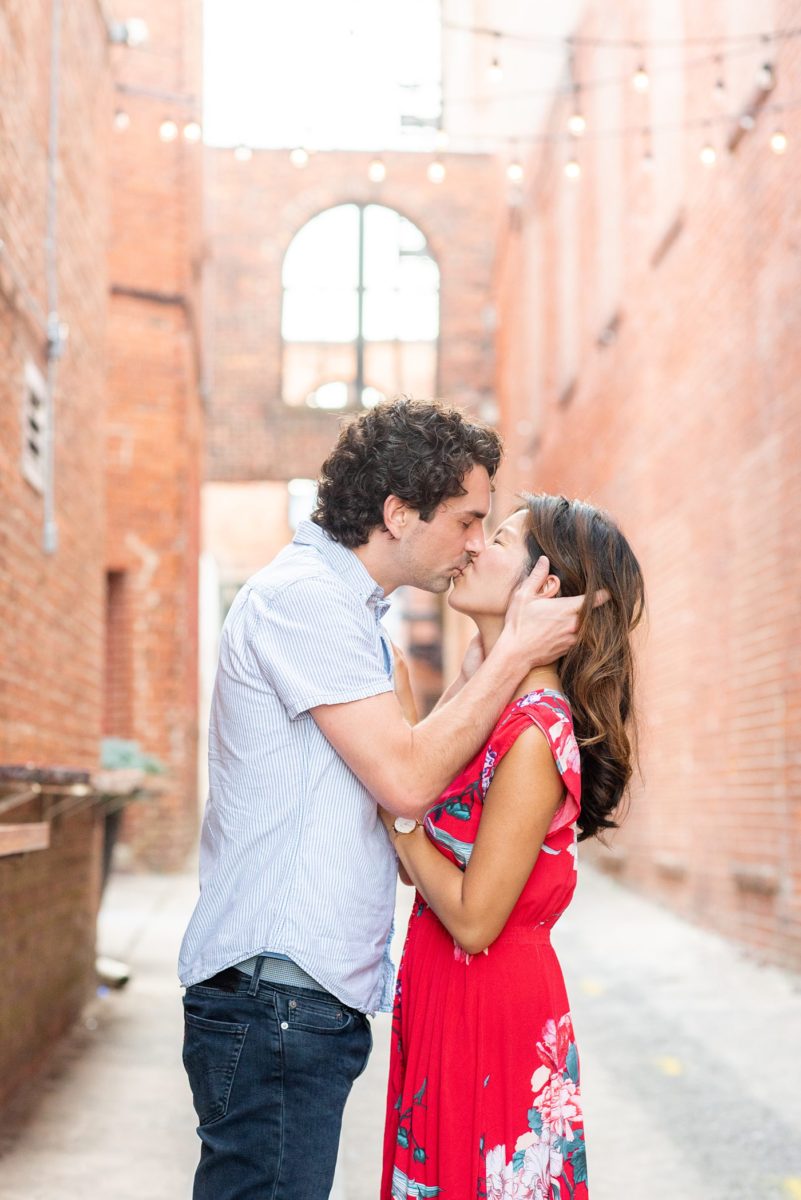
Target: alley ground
{"points": [[691, 1061]]}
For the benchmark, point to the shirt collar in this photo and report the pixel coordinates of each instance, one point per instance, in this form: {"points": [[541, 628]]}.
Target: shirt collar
{"points": [[344, 563]]}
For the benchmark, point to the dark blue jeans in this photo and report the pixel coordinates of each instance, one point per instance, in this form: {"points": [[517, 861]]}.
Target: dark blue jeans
{"points": [[270, 1068]]}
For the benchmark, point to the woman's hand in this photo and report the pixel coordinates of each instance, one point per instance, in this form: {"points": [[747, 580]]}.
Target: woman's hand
{"points": [[388, 819], [389, 824]]}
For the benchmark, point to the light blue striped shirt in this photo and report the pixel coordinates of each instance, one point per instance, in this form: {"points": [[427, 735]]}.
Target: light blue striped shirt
{"points": [[294, 859]]}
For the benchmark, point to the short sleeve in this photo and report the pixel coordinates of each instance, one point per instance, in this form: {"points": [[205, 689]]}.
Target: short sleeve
{"points": [[553, 718], [316, 643]]}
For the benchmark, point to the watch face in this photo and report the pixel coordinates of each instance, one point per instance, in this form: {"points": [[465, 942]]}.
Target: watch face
{"points": [[405, 825]]}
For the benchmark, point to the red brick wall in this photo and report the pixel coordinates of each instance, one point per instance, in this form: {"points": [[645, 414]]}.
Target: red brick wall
{"points": [[255, 209], [683, 417], [154, 416], [51, 606]]}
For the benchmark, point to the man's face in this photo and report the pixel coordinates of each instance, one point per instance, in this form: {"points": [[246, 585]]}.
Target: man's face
{"points": [[435, 552]]}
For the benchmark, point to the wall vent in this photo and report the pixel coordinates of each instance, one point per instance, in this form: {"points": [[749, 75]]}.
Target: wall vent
{"points": [[34, 427]]}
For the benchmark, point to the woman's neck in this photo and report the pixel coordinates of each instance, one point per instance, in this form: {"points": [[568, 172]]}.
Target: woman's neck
{"points": [[489, 627]]}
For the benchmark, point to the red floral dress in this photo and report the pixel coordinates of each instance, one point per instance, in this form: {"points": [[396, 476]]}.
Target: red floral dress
{"points": [[483, 1096]]}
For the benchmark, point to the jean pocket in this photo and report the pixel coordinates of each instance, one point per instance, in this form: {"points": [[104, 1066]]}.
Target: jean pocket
{"points": [[368, 1048], [319, 1016], [211, 1056]]}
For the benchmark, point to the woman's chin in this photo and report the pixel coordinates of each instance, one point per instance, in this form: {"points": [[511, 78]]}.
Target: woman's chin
{"points": [[458, 604]]}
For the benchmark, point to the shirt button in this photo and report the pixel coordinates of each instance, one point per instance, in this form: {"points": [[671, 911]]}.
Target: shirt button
{"points": [[285, 1025]]}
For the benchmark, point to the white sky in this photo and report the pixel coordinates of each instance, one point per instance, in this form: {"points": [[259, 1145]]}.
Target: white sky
{"points": [[321, 73], [327, 74]]}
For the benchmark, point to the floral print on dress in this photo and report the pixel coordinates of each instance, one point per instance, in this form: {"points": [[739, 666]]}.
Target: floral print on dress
{"points": [[549, 1160]]}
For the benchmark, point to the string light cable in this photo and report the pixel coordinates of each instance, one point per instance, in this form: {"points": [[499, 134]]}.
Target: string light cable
{"points": [[557, 43], [586, 85], [745, 119]]}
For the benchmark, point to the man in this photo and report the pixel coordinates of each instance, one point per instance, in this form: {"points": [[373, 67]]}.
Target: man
{"points": [[287, 950]]}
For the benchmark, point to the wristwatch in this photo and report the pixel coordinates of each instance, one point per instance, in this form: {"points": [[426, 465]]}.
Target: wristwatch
{"points": [[405, 825]]}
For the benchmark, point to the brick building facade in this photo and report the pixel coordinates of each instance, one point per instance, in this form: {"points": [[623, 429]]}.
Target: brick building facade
{"points": [[649, 360], [154, 421], [84, 650], [51, 603]]}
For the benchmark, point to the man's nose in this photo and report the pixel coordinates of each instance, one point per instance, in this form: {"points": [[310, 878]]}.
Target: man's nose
{"points": [[475, 543]]}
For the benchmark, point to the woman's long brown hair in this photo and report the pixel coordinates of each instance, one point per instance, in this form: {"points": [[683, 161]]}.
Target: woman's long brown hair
{"points": [[588, 552]]}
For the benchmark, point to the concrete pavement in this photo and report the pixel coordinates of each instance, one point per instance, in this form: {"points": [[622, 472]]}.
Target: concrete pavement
{"points": [[691, 1056]]}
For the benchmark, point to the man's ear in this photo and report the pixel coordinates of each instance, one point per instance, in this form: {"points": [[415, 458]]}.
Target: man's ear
{"points": [[396, 516]]}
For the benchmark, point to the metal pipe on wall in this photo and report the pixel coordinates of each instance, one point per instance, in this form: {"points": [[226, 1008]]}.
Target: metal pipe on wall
{"points": [[55, 329]]}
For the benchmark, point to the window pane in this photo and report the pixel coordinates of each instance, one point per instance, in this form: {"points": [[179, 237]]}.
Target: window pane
{"points": [[325, 253], [382, 232], [419, 274], [381, 310], [402, 367], [411, 238], [410, 316], [320, 315], [371, 396], [330, 395], [418, 317], [307, 366]]}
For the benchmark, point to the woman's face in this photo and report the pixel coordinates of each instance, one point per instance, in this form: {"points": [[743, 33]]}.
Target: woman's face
{"points": [[485, 586]]}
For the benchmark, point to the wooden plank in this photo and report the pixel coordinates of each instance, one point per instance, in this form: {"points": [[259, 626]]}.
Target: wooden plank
{"points": [[18, 839]]}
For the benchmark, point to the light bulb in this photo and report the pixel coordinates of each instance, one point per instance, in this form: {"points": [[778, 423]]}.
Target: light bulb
{"points": [[243, 153], [136, 31], [193, 131], [640, 80], [708, 155], [573, 168], [377, 171], [168, 130], [514, 172], [299, 157], [778, 141], [766, 77], [122, 120], [495, 71], [576, 124], [436, 171]]}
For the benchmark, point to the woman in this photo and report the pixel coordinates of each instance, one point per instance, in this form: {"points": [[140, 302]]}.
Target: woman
{"points": [[483, 1096]]}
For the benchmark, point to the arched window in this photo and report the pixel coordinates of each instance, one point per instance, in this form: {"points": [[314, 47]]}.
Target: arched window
{"points": [[360, 317]]}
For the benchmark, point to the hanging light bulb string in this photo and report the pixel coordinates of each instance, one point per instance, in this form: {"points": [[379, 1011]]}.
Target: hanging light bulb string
{"points": [[561, 43], [624, 131], [590, 85], [576, 122]]}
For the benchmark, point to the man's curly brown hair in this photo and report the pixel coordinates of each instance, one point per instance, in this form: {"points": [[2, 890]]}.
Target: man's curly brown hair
{"points": [[417, 450]]}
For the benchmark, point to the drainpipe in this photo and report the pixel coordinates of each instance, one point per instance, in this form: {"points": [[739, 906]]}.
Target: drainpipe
{"points": [[56, 332]]}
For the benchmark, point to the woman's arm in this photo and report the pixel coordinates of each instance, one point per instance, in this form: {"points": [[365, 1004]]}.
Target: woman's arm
{"points": [[403, 686], [408, 705], [474, 904]]}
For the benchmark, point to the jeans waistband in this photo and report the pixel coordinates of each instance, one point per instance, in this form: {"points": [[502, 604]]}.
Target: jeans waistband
{"points": [[279, 970]]}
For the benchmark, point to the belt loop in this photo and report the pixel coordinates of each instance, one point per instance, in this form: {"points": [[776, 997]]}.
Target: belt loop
{"points": [[254, 983]]}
